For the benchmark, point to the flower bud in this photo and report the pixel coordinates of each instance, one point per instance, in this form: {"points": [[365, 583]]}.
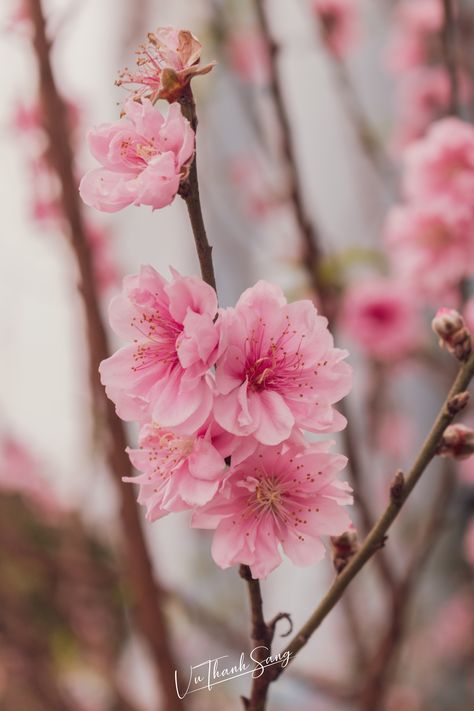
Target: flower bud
{"points": [[453, 334], [343, 548], [457, 442]]}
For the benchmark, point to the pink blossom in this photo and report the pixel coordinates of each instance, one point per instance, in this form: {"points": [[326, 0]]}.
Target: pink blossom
{"points": [[179, 472], [165, 64], [338, 21], [424, 94], [249, 58], [261, 192], [163, 374], [144, 157], [469, 543], [442, 163], [380, 315], [286, 496], [279, 368], [431, 245]]}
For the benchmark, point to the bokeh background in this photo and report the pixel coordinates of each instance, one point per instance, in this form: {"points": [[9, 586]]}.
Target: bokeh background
{"points": [[67, 633]]}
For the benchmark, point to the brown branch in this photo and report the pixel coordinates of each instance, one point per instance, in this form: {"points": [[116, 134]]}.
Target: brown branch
{"points": [[309, 233], [400, 491], [381, 668], [449, 37], [146, 589]]}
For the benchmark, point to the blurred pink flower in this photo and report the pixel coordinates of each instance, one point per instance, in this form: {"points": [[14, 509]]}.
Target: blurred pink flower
{"points": [[165, 64], [144, 157], [249, 57], [423, 95], [338, 22], [261, 192], [395, 435], [285, 496], [381, 316], [163, 374], [442, 163], [105, 269], [20, 473], [279, 368], [469, 543], [178, 471], [416, 23], [431, 245]]}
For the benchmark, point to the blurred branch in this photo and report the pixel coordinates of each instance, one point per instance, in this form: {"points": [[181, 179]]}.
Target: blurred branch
{"points": [[381, 668], [146, 589], [449, 37], [400, 491], [309, 233]]}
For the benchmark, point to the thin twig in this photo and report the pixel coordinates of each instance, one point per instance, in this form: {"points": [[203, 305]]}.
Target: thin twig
{"points": [[401, 490], [146, 589], [449, 36], [309, 233], [384, 659]]}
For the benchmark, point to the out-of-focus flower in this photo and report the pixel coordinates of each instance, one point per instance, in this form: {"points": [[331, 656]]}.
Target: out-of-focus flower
{"points": [[442, 163], [278, 496], [431, 245], [163, 374], [457, 442], [279, 369], [248, 55], [339, 24], [144, 156], [20, 473], [424, 94], [416, 24], [261, 193], [381, 316], [105, 269], [469, 543], [395, 435], [178, 471], [449, 325], [166, 63]]}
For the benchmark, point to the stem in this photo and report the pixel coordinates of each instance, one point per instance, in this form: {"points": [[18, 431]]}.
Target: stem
{"points": [[190, 193], [450, 54], [377, 535], [147, 590], [310, 236]]}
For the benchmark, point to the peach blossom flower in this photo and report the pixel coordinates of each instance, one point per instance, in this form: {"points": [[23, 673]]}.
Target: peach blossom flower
{"points": [[279, 496], [380, 315], [338, 22], [144, 157], [165, 65]]}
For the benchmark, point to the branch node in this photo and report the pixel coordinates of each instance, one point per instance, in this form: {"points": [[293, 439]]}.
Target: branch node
{"points": [[457, 403], [397, 488], [273, 623]]}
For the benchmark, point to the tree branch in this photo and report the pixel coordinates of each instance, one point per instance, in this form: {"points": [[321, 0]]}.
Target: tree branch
{"points": [[450, 54], [147, 590], [401, 489]]}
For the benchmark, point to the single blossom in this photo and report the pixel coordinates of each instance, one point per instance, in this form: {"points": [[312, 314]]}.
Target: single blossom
{"points": [[163, 373], [178, 472], [338, 22], [248, 55], [278, 369], [442, 163], [166, 63], [144, 158], [284, 496], [380, 315], [431, 245]]}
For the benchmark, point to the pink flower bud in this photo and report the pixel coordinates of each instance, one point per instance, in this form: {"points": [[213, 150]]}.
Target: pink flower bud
{"points": [[457, 442], [449, 325]]}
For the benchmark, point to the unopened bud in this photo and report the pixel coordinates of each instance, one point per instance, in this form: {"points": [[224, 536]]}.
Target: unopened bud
{"points": [[343, 548], [457, 442], [397, 488], [453, 334]]}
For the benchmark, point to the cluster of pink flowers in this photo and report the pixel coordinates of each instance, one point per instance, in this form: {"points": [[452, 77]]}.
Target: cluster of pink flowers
{"points": [[415, 57], [431, 236], [223, 397], [338, 21]]}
